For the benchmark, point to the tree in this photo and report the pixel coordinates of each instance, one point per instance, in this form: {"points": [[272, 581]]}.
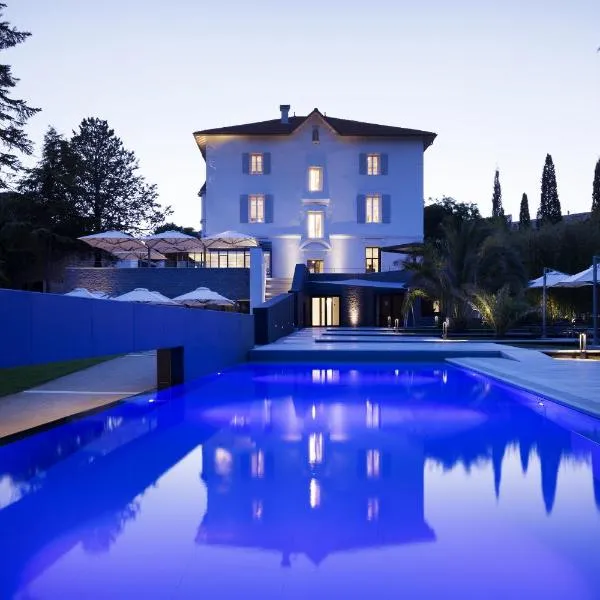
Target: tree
{"points": [[173, 227], [110, 194], [13, 113], [524, 218], [497, 210], [596, 192], [446, 210], [549, 203]]}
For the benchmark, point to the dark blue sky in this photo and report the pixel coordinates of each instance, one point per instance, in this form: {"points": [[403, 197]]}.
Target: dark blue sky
{"points": [[502, 83]]}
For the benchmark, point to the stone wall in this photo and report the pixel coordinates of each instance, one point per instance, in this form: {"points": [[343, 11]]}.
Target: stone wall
{"points": [[231, 283]]}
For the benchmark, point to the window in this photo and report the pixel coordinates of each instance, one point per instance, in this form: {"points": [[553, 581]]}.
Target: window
{"points": [[373, 208], [256, 164], [315, 265], [256, 212], [315, 224], [372, 259], [232, 259], [315, 179], [373, 164]]}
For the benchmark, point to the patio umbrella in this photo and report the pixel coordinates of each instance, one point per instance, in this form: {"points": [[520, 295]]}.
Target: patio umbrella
{"points": [[145, 296], [143, 253], [553, 278], [171, 242], [229, 239], [113, 240], [581, 279], [85, 293], [202, 296]]}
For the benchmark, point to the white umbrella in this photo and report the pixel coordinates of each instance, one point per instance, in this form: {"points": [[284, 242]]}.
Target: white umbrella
{"points": [[229, 239], [113, 240], [581, 279], [202, 296], [170, 242], [553, 278], [145, 296], [85, 293], [142, 253]]}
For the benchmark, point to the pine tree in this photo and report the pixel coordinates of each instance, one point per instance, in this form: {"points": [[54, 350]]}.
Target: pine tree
{"points": [[596, 192], [549, 203], [110, 192], [13, 113], [524, 218], [497, 210]]}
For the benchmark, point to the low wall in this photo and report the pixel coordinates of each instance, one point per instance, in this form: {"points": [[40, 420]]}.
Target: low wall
{"points": [[231, 283], [274, 319], [40, 328]]}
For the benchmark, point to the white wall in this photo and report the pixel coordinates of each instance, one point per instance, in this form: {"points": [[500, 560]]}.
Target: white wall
{"points": [[290, 158]]}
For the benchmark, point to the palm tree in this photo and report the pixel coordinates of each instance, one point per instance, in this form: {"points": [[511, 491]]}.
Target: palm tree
{"points": [[471, 255]]}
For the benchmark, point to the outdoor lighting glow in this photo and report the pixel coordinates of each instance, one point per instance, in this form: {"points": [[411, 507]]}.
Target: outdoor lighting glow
{"points": [[315, 448], [223, 461], [354, 316], [373, 463], [267, 409], [258, 464], [314, 493], [150, 400], [445, 376], [397, 372], [540, 404], [313, 412], [372, 509]]}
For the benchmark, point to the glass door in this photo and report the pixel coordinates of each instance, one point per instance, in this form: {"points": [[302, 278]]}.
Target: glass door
{"points": [[315, 265], [325, 311]]}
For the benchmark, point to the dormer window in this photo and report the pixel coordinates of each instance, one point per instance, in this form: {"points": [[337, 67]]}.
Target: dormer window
{"points": [[315, 135], [256, 164], [373, 164], [315, 179]]}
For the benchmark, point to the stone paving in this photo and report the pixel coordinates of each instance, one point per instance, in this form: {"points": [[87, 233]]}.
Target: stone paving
{"points": [[90, 388]]}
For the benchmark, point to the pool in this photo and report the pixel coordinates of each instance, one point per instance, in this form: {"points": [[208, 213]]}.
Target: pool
{"points": [[294, 481]]}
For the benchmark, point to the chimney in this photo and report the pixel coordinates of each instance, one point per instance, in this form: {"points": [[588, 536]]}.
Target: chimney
{"points": [[285, 111]]}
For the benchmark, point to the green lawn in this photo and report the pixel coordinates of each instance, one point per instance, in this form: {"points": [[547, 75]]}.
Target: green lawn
{"points": [[18, 379]]}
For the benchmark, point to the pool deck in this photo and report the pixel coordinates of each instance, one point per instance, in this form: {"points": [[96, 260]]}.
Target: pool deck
{"points": [[575, 383], [86, 390]]}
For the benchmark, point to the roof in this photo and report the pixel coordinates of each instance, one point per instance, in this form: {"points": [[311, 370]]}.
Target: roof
{"points": [[344, 127]]}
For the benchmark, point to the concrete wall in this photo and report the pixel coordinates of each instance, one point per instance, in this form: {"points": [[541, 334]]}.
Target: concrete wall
{"points": [[40, 328], [345, 239], [231, 283], [274, 318]]}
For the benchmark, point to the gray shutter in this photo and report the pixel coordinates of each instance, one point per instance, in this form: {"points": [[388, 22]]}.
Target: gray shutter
{"points": [[386, 208], [269, 208], [267, 163], [360, 208], [362, 164], [246, 163], [384, 164], [244, 208]]}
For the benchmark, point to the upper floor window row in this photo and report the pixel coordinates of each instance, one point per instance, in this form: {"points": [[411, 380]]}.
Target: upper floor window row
{"points": [[373, 164], [256, 163]]}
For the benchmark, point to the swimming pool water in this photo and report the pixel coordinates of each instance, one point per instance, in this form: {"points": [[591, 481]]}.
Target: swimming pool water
{"points": [[403, 481]]}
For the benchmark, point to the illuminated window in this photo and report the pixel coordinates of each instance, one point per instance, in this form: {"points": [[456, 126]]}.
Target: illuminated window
{"points": [[315, 224], [373, 164], [256, 164], [372, 259], [256, 212], [373, 208], [315, 179], [373, 463], [314, 493]]}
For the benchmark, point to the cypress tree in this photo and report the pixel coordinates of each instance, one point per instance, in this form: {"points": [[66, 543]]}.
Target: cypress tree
{"points": [[596, 192], [524, 218], [497, 210], [549, 203]]}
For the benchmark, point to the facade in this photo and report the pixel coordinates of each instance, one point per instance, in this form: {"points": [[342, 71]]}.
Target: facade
{"points": [[325, 192]]}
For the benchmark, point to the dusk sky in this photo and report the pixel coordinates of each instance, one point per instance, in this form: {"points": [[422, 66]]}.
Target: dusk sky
{"points": [[501, 83]]}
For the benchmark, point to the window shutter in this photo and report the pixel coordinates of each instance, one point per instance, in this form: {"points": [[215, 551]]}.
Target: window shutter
{"points": [[360, 208], [246, 163], [244, 208], [386, 208], [384, 164], [362, 164], [269, 208], [267, 163]]}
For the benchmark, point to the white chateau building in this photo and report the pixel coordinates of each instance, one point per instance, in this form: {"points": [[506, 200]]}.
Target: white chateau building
{"points": [[326, 192]]}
